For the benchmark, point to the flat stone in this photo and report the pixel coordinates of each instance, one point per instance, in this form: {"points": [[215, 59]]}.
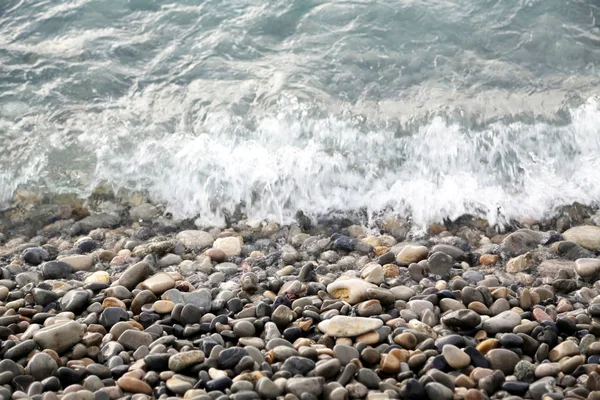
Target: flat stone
{"points": [[298, 365], [455, 357], [35, 255], [438, 391], [159, 283], [229, 358], [231, 246], [132, 339], [586, 236], [195, 240], [178, 385], [345, 353], [412, 254], [79, 262], [350, 290], [565, 349], [59, 337], [134, 275], [56, 270], [503, 360], [299, 386], [343, 326], [98, 277], [587, 267], [547, 369], [440, 263], [267, 389], [41, 366], [461, 319], [183, 360], [133, 385], [504, 322]]}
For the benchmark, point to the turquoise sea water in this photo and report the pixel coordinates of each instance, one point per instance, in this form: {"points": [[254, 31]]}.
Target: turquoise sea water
{"points": [[434, 108]]}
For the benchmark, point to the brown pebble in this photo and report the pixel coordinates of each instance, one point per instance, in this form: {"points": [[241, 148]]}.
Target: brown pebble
{"points": [[133, 385], [487, 345], [541, 316], [407, 340]]}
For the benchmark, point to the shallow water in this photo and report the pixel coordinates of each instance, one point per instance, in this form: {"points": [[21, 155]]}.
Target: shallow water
{"points": [[432, 108]]}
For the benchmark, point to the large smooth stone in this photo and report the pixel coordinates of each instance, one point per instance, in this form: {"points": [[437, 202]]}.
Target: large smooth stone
{"points": [[587, 236], [342, 326], [587, 267], [350, 290], [59, 337], [195, 240], [231, 246], [503, 322]]}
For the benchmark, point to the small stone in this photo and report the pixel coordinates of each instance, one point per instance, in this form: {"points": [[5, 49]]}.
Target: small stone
{"points": [[56, 270], [461, 319], [41, 366], [412, 254], [229, 358], [438, 391], [440, 263], [587, 267], [194, 240], [567, 348], [298, 365], [132, 339], [282, 316], [525, 371], [373, 273], [79, 262], [178, 385], [159, 283], [407, 340], [299, 386], [351, 290], [59, 337], [231, 246], [504, 322], [503, 360], [455, 357], [343, 326], [267, 389], [369, 307], [547, 369], [345, 353], [134, 275], [133, 385], [35, 255], [586, 236], [519, 263], [542, 386], [98, 277]]}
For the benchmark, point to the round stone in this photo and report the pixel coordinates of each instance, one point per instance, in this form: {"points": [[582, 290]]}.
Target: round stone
{"points": [[41, 366], [455, 357]]}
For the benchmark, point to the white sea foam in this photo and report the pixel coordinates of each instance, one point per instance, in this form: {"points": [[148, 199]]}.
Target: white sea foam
{"points": [[289, 161]]}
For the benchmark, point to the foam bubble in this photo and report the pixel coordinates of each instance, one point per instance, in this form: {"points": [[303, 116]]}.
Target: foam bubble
{"points": [[290, 160]]}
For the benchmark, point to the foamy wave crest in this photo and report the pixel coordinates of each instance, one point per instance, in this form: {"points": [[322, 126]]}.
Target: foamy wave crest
{"points": [[295, 160]]}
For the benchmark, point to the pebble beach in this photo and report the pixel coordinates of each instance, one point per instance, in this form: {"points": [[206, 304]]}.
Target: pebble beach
{"points": [[129, 303]]}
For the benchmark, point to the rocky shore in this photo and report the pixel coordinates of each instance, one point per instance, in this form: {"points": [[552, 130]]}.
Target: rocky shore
{"points": [[105, 301]]}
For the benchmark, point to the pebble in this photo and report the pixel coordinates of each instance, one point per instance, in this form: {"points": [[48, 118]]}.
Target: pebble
{"points": [[352, 291], [343, 326], [455, 357], [259, 310], [506, 321], [59, 337]]}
